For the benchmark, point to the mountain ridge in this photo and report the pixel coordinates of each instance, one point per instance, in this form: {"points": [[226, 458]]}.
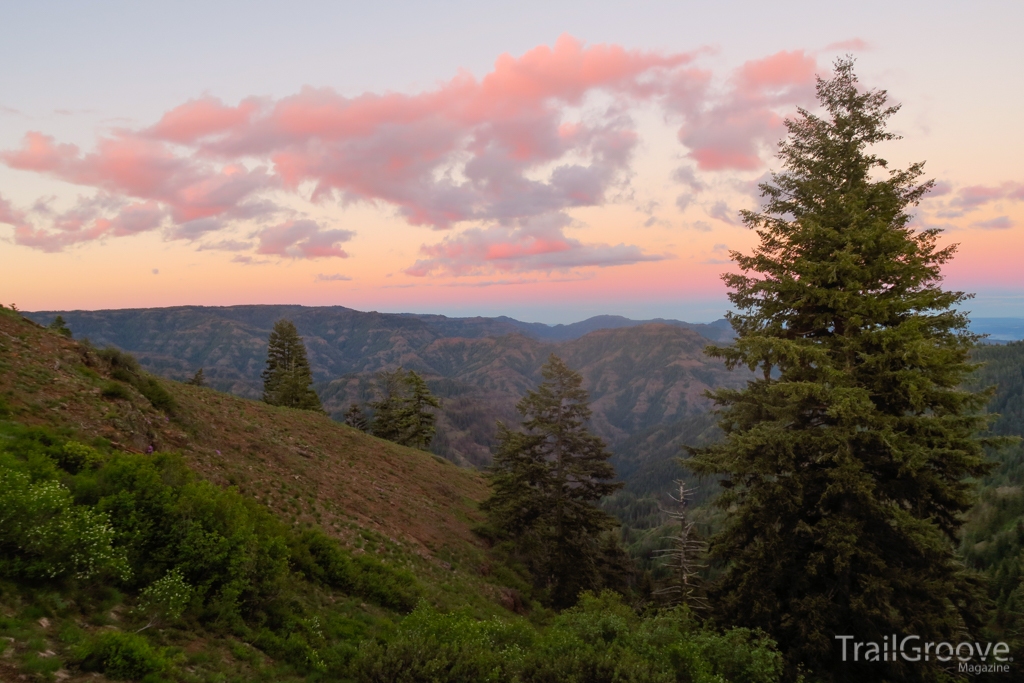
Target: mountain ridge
{"points": [[638, 373]]}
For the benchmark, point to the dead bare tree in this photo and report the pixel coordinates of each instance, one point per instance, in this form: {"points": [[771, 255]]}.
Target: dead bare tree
{"points": [[683, 558]]}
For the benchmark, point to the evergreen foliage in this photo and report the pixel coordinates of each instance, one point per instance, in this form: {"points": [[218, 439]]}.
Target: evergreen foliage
{"points": [[418, 418], [1002, 366], [845, 463], [404, 411], [198, 380], [547, 480], [387, 409], [287, 378], [60, 327], [993, 538], [355, 417]]}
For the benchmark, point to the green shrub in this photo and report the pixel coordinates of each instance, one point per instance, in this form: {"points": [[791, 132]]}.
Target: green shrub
{"points": [[75, 457], [123, 656], [322, 560], [116, 391], [44, 535], [299, 644], [600, 640], [156, 394], [165, 598], [443, 648], [119, 361], [232, 551], [125, 368], [191, 547]]}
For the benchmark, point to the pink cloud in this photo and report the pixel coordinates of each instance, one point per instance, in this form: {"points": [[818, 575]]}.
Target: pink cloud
{"points": [[199, 118], [196, 195], [225, 245], [507, 149], [969, 198], [400, 149], [10, 215], [722, 212], [541, 245], [132, 166], [302, 239], [89, 219], [851, 45], [732, 133], [998, 223]]}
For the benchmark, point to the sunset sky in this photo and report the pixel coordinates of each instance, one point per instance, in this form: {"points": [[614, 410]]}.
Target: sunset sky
{"points": [[544, 160]]}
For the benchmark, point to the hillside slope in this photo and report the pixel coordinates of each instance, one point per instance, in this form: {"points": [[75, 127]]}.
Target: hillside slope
{"points": [[303, 466]]}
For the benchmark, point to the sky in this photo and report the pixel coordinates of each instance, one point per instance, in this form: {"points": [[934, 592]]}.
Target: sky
{"points": [[548, 161]]}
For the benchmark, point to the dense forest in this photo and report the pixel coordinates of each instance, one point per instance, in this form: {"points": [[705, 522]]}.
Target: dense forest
{"points": [[993, 539]]}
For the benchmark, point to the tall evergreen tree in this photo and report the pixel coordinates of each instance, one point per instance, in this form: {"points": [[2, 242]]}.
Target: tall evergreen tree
{"points": [[845, 462], [287, 378], [546, 481], [416, 418], [403, 410], [387, 409]]}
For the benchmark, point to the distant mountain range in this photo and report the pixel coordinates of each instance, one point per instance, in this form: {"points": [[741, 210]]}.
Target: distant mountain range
{"points": [[646, 378], [641, 375], [999, 330]]}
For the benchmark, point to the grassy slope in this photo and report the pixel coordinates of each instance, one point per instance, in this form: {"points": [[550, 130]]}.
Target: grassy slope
{"points": [[410, 508]]}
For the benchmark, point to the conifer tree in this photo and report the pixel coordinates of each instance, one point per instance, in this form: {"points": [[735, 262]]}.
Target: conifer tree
{"points": [[287, 377], [416, 417], [387, 409], [546, 481], [355, 417], [198, 379], [402, 411], [845, 461], [59, 326]]}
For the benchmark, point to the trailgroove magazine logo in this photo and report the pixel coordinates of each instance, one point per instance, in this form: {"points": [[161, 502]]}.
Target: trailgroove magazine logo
{"points": [[972, 657]]}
